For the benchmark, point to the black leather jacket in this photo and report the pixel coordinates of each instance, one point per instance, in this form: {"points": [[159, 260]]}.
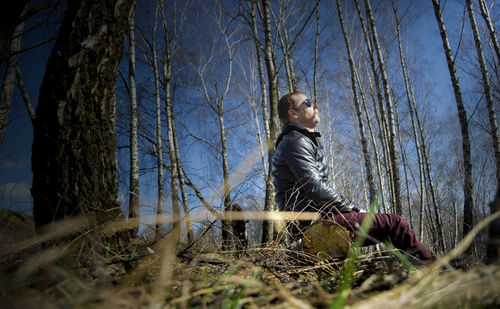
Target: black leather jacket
{"points": [[300, 173]]}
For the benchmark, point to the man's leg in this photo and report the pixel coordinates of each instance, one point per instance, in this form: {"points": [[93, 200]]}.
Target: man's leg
{"points": [[387, 227]]}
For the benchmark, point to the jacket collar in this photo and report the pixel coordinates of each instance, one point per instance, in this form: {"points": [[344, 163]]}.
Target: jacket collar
{"points": [[301, 129]]}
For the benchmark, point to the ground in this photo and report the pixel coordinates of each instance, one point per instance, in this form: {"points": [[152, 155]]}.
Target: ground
{"points": [[71, 273]]}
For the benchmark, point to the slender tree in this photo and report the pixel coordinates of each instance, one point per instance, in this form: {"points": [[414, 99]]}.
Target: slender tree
{"points": [[9, 80], [393, 151], [272, 75], [171, 42], [158, 144], [380, 121], [316, 43], [487, 90], [133, 208], [419, 142], [359, 117], [25, 95], [491, 28], [464, 125]]}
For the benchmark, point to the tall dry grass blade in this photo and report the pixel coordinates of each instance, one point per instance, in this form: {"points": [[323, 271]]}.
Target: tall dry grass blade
{"points": [[45, 257], [56, 230]]}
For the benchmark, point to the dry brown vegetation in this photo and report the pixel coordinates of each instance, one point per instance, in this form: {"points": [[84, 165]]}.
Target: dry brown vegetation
{"points": [[80, 272]]}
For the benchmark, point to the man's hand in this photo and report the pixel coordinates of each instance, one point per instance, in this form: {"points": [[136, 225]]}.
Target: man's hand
{"points": [[357, 209]]}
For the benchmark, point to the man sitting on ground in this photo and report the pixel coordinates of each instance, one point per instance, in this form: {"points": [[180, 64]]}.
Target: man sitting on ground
{"points": [[300, 173]]}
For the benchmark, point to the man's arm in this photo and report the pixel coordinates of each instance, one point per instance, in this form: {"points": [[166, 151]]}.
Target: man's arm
{"points": [[300, 158]]}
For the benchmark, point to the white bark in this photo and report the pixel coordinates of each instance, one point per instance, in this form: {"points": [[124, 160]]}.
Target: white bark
{"points": [[9, 81]]}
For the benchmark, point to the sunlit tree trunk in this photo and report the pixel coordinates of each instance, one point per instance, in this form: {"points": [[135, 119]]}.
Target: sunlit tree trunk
{"points": [[381, 120], [419, 144], [491, 28], [262, 82], [487, 90], [269, 204], [133, 208], [364, 144], [9, 80], [393, 151], [182, 185], [316, 43], [158, 136], [464, 125], [74, 145], [282, 33], [382, 205], [171, 43]]}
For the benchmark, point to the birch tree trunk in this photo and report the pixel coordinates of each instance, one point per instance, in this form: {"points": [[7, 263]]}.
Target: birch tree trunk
{"points": [[462, 116], [491, 28], [382, 205], [10, 15], [364, 144], [262, 82], [25, 95], [174, 171], [487, 90], [9, 80], [269, 204], [421, 155], [381, 121], [393, 151], [158, 142], [74, 145], [134, 210], [316, 43]]}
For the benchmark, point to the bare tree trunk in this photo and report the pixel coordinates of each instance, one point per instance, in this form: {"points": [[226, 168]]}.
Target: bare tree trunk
{"points": [[226, 224], [75, 108], [262, 80], [25, 95], [134, 210], [171, 48], [10, 15], [381, 121], [414, 114], [174, 171], [414, 129], [393, 151], [269, 204], [455, 225], [383, 204], [462, 116], [9, 80], [182, 185], [316, 43], [491, 28], [487, 92], [159, 141], [364, 144]]}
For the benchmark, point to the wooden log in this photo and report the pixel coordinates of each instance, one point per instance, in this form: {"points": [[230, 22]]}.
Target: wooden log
{"points": [[326, 240]]}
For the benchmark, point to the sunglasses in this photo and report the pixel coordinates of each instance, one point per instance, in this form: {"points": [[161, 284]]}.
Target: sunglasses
{"points": [[307, 102]]}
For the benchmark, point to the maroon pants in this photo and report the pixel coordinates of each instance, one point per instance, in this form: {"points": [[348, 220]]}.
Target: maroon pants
{"points": [[387, 227]]}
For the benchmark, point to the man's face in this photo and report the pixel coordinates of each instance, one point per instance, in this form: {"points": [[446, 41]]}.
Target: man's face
{"points": [[305, 112]]}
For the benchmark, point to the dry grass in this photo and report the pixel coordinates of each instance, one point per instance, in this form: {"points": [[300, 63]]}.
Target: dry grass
{"points": [[82, 273]]}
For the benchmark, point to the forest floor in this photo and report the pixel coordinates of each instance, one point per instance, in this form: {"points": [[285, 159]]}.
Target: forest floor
{"points": [[77, 273]]}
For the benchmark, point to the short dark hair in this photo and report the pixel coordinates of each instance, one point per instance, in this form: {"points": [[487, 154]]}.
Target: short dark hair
{"points": [[286, 103]]}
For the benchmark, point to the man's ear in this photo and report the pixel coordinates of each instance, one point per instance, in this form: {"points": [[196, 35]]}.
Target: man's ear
{"points": [[292, 114]]}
